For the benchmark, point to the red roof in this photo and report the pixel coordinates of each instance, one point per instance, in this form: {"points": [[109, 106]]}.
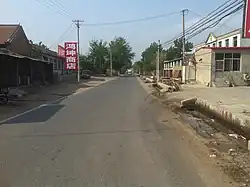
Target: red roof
{"points": [[6, 32]]}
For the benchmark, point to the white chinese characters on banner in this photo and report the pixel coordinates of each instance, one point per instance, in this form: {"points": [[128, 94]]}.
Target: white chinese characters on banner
{"points": [[71, 66], [71, 55]]}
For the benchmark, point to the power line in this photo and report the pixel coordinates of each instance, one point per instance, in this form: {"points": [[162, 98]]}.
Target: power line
{"points": [[56, 4], [217, 22], [49, 4], [62, 36], [226, 9], [131, 21], [223, 24], [200, 23], [214, 17]]}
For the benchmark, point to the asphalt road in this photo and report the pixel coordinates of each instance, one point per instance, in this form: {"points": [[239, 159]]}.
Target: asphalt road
{"points": [[107, 136]]}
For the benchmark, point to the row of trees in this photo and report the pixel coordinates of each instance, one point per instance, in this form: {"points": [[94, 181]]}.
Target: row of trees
{"points": [[100, 53], [147, 64]]}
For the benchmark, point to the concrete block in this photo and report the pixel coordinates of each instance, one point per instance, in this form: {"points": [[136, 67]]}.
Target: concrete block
{"points": [[188, 102]]}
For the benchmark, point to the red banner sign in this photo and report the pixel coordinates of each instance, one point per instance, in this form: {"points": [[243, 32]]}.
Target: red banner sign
{"points": [[246, 20], [61, 51], [71, 55]]}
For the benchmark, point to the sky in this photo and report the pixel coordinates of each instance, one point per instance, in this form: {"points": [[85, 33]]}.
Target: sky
{"points": [[48, 20]]}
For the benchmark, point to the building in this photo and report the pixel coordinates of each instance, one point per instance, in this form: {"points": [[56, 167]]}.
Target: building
{"points": [[13, 38], [43, 53], [230, 39], [221, 66], [219, 61], [16, 65], [178, 70], [17, 70]]}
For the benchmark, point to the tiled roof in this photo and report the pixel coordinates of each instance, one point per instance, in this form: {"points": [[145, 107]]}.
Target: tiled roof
{"points": [[6, 32]]}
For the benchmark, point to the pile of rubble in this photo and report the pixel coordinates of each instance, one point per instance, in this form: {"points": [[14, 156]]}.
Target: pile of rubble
{"points": [[150, 79], [164, 85], [172, 85]]}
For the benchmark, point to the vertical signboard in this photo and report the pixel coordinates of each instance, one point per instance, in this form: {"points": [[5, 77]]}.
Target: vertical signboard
{"points": [[246, 20], [70, 55], [61, 51]]}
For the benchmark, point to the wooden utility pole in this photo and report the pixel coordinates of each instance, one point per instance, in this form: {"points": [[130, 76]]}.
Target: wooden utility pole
{"points": [[158, 62], [111, 63], [77, 22], [183, 34]]}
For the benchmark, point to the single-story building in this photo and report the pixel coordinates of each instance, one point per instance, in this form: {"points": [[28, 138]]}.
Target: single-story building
{"points": [[221, 66], [177, 69], [45, 54], [13, 38], [17, 70]]}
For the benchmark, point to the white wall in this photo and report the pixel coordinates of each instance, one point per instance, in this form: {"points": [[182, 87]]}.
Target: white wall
{"points": [[239, 42], [230, 41]]}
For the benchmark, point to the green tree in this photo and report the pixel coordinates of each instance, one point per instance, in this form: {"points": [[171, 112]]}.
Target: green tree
{"points": [[98, 54], [122, 54], [149, 57], [175, 51], [138, 66]]}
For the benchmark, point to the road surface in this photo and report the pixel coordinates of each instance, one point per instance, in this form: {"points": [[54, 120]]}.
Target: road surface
{"points": [[107, 136]]}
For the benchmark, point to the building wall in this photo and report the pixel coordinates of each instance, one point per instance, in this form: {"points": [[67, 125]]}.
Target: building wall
{"points": [[58, 63], [20, 43], [203, 59], [188, 73], [221, 78], [230, 38]]}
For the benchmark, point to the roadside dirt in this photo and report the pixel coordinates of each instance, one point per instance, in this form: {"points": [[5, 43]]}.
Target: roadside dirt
{"points": [[226, 149]]}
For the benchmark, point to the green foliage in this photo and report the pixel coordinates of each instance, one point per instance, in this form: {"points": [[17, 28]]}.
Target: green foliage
{"points": [[149, 55], [175, 51], [100, 52]]}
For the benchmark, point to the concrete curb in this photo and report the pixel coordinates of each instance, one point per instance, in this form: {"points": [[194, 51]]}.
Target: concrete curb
{"points": [[188, 102], [238, 124]]}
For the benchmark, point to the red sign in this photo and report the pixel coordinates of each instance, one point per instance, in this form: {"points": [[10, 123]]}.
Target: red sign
{"points": [[246, 20], [71, 55], [61, 51]]}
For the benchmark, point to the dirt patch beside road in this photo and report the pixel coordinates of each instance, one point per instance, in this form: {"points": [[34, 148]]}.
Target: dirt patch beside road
{"points": [[227, 150]]}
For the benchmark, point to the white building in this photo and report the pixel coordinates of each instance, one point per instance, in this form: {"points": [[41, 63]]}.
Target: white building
{"points": [[230, 39]]}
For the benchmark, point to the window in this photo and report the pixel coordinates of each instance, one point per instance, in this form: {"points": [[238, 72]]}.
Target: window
{"points": [[236, 64], [219, 65], [220, 44], [236, 61], [235, 41], [219, 62], [227, 62], [227, 42], [214, 45], [219, 56]]}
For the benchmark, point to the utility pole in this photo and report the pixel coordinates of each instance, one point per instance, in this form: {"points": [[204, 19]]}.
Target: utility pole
{"points": [[158, 62], [183, 34], [77, 22], [111, 63]]}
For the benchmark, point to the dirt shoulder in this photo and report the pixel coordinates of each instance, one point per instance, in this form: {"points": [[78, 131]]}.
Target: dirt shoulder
{"points": [[211, 146]]}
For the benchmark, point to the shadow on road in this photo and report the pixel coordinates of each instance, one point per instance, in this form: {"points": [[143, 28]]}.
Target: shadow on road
{"points": [[39, 115]]}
